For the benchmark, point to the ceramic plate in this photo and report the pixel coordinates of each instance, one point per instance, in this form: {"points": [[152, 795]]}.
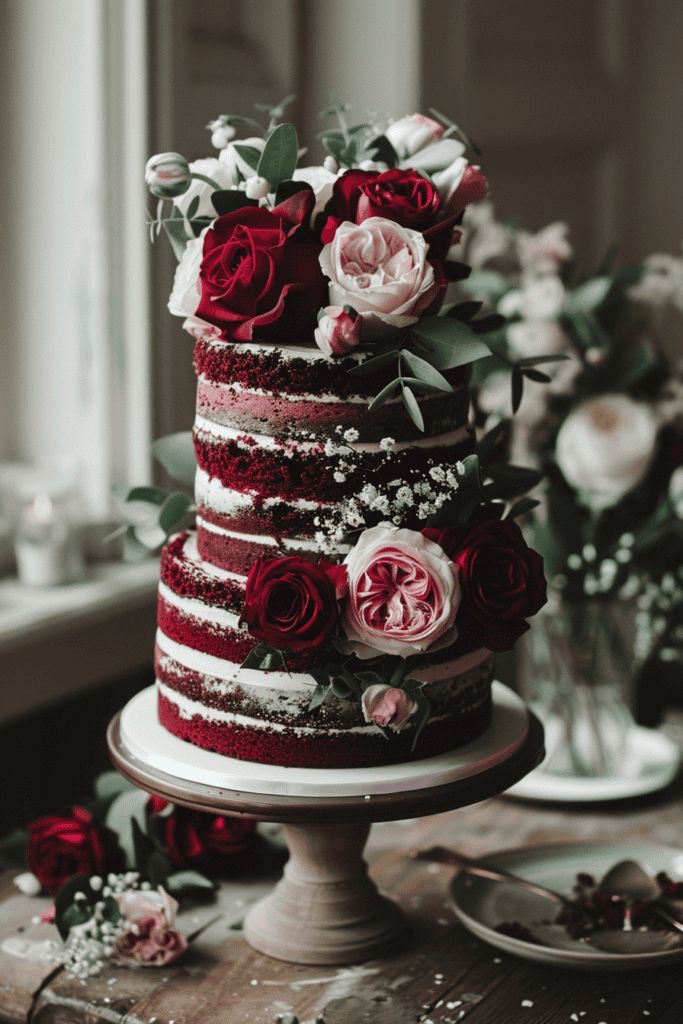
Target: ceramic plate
{"points": [[659, 757], [481, 905]]}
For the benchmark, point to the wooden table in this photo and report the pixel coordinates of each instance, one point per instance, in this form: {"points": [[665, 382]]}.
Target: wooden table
{"points": [[442, 976]]}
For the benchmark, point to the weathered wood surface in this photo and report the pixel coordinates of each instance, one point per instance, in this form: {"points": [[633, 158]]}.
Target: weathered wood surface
{"points": [[442, 975]]}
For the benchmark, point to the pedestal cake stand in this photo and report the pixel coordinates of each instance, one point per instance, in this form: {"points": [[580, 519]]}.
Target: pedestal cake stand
{"points": [[325, 909]]}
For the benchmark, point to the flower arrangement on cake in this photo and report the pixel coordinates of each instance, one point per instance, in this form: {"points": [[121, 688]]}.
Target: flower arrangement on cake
{"points": [[605, 428], [355, 559]]}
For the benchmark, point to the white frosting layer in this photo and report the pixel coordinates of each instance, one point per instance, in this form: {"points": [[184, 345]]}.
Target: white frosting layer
{"points": [[191, 708], [290, 447], [288, 543], [321, 399], [211, 492], [220, 668], [209, 613]]}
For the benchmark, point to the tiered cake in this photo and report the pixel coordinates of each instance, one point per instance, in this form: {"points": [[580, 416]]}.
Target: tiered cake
{"points": [[348, 576], [264, 416]]}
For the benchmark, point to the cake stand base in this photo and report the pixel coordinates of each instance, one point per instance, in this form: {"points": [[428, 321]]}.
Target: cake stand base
{"points": [[325, 910]]}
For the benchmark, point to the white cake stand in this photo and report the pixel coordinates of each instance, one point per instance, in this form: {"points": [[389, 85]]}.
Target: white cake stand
{"points": [[325, 909]]}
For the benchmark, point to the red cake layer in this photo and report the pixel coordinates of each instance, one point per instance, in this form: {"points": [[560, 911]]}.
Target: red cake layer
{"points": [[289, 374], [268, 413], [279, 520], [325, 749], [188, 578], [243, 465]]}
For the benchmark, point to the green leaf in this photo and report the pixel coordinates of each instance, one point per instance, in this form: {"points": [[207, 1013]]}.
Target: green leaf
{"points": [[65, 899], [133, 549], [157, 868], [173, 510], [588, 296], [517, 385], [250, 154], [462, 310], [424, 708], [490, 440], [230, 199], [192, 208], [383, 151], [508, 481], [540, 378], [447, 343], [425, 371], [150, 495], [434, 157], [278, 160], [488, 324], [386, 393], [111, 784], [175, 452], [287, 189], [319, 695], [521, 507], [369, 678], [370, 366], [186, 883], [488, 284], [142, 846], [540, 360], [75, 914], [411, 404], [128, 807], [176, 230]]}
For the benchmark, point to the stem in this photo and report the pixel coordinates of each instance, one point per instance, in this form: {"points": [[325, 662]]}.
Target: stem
{"points": [[343, 124], [208, 181]]}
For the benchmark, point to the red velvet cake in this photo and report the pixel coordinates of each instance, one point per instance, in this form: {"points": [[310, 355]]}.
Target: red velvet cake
{"points": [[348, 576]]}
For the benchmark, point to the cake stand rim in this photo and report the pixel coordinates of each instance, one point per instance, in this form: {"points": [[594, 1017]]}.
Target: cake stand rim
{"points": [[392, 806]]}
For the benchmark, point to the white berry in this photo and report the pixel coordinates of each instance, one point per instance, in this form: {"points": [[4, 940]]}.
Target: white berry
{"points": [[221, 136], [257, 187], [330, 164]]}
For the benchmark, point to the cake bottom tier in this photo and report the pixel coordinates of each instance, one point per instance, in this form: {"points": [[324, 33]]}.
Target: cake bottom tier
{"points": [[357, 747]]}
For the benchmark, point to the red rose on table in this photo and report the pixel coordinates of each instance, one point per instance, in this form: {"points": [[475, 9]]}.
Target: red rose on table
{"points": [[292, 604], [402, 196], [193, 839], [260, 275], [60, 847], [501, 579]]}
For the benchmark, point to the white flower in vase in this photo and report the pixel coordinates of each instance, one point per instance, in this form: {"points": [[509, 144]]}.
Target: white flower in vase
{"points": [[605, 447]]}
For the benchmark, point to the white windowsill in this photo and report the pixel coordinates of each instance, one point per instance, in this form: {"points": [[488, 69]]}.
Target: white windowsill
{"points": [[57, 641]]}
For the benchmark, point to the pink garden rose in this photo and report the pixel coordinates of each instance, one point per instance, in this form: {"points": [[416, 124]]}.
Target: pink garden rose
{"points": [[338, 330], [403, 594], [151, 940], [412, 133], [388, 706], [381, 270]]}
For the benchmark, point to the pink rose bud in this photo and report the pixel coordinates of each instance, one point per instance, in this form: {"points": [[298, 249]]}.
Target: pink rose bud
{"points": [[388, 706], [338, 330], [460, 184], [412, 133]]}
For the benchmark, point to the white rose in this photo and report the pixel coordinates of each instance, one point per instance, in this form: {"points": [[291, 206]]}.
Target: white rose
{"points": [[237, 167], [531, 338], [381, 270], [321, 181], [186, 293], [544, 252], [210, 168], [412, 133], [605, 447], [542, 298], [676, 491]]}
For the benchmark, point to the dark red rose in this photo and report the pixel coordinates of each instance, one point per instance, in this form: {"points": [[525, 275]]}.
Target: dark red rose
{"points": [[292, 604], [405, 197], [260, 275], [501, 580], [59, 848], [209, 843]]}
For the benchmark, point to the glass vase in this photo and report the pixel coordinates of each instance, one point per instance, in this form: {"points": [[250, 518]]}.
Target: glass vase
{"points": [[575, 670]]}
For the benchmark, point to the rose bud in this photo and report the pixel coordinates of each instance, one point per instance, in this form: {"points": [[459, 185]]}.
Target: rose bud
{"points": [[605, 447], [412, 133], [388, 706], [167, 175], [460, 184], [338, 330]]}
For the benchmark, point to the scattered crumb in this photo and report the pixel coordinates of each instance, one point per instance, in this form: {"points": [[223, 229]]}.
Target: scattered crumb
{"points": [[433, 869], [452, 1006], [527, 1002], [253, 981], [497, 960]]}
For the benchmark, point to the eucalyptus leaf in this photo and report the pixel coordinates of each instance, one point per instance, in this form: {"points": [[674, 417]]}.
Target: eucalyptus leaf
{"points": [[65, 899], [192, 208], [521, 507], [508, 481], [462, 310], [488, 284], [250, 154], [411, 404], [174, 510], [541, 360], [176, 454], [537, 375], [425, 371], [157, 868], [373, 365], [280, 154], [517, 386], [147, 495], [177, 234], [588, 296], [186, 883], [126, 808], [387, 391], [447, 343], [318, 697]]}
